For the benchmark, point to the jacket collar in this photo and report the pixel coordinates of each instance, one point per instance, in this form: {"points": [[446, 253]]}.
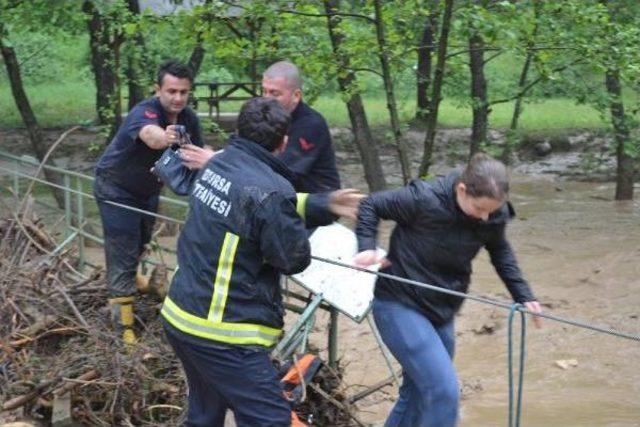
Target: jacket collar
{"points": [[163, 120], [300, 108], [263, 155]]}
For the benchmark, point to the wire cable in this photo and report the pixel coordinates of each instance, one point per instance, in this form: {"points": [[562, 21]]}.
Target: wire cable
{"points": [[485, 300]]}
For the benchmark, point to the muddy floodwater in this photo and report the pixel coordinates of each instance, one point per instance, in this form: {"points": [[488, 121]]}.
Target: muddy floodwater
{"points": [[580, 251]]}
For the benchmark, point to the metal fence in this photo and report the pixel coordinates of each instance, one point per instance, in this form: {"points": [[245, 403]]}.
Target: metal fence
{"points": [[78, 199]]}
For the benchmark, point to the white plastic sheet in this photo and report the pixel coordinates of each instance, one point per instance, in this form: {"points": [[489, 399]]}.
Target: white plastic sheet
{"points": [[348, 290]]}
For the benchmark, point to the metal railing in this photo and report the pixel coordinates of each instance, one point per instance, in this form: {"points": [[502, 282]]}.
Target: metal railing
{"points": [[73, 186]]}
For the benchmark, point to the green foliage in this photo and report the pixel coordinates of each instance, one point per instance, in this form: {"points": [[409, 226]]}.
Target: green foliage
{"points": [[42, 16], [47, 38], [49, 57], [606, 37], [212, 127], [51, 42]]}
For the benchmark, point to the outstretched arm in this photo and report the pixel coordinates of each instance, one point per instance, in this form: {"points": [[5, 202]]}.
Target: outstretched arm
{"points": [[504, 261], [320, 209], [157, 138]]}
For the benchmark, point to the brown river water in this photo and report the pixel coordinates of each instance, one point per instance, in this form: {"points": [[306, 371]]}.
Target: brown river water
{"points": [[580, 251]]}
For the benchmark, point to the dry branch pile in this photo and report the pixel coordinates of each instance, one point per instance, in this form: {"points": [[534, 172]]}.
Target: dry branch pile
{"points": [[60, 358], [57, 343]]}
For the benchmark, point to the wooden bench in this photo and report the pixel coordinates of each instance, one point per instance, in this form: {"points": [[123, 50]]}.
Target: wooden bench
{"points": [[216, 92]]}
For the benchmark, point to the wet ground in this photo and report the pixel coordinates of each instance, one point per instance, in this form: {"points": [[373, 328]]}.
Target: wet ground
{"points": [[580, 251]]}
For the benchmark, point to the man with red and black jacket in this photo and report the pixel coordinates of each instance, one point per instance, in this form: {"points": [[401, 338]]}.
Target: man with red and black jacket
{"points": [[123, 176], [309, 153]]}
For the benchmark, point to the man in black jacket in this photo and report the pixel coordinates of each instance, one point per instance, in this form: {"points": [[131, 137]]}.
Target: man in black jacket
{"points": [[309, 153], [224, 309]]}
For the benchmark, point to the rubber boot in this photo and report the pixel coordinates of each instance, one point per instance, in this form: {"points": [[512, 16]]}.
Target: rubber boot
{"points": [[122, 317]]}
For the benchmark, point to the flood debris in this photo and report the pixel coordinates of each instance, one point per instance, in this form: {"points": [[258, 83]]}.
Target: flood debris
{"points": [[326, 403], [566, 363], [62, 364], [488, 328]]}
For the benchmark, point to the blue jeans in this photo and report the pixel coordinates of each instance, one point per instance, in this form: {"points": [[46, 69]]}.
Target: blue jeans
{"points": [[429, 393]]}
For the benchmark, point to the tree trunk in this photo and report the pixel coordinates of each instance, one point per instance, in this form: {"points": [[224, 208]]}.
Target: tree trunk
{"points": [[135, 88], [480, 105], [255, 28], [116, 100], [28, 117], [103, 63], [434, 102], [512, 140], [401, 146], [347, 81], [625, 163], [197, 55], [425, 51], [136, 62], [624, 178]]}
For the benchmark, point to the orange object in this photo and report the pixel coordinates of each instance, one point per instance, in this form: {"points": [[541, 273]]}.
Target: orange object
{"points": [[295, 381], [299, 367], [295, 421]]}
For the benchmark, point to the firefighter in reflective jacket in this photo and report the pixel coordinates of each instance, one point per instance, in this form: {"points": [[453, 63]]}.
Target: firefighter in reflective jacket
{"points": [[224, 308]]}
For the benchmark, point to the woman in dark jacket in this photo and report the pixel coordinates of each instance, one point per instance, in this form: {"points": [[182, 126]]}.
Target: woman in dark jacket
{"points": [[441, 225]]}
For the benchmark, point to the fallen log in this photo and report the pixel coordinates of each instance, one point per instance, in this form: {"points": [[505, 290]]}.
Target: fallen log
{"points": [[19, 401]]}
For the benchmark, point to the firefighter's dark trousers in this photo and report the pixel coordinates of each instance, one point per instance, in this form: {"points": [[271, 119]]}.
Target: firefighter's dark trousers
{"points": [[126, 232], [232, 377]]}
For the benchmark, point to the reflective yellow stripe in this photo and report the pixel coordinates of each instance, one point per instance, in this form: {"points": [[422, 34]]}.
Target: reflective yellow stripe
{"points": [[223, 275], [301, 205], [232, 333]]}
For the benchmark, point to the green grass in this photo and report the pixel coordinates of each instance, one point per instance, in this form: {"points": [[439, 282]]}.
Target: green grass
{"points": [[55, 105], [552, 114], [63, 104]]}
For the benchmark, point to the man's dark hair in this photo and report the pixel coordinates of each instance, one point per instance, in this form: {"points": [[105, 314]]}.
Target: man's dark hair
{"points": [[176, 69], [485, 176], [263, 121]]}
